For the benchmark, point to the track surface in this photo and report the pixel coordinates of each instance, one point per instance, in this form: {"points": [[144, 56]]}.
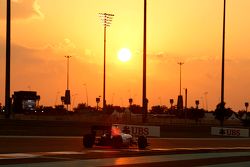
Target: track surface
{"points": [[68, 151]]}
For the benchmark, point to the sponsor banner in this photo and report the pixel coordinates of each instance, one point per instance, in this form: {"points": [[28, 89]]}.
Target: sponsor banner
{"points": [[137, 130], [234, 132]]}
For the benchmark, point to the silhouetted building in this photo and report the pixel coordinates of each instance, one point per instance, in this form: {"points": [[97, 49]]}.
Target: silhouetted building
{"points": [[25, 101]]}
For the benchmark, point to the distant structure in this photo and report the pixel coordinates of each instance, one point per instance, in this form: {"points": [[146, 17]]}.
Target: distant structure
{"points": [[106, 19], [8, 54], [144, 68], [66, 98], [25, 101], [180, 98]]}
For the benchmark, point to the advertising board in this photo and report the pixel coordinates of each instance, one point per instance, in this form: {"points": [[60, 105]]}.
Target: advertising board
{"points": [[138, 130], [233, 132]]}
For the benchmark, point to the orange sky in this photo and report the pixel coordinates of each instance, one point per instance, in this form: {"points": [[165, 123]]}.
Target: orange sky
{"points": [[44, 31]]}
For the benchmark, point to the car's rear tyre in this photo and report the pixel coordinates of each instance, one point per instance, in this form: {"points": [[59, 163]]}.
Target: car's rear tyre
{"points": [[142, 142], [117, 141], [88, 140]]}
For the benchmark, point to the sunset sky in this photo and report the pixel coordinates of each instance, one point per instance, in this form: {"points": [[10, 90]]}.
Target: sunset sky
{"points": [[189, 31]]}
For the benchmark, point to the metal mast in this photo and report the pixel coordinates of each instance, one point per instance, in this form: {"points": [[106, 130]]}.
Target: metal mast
{"points": [[223, 53], [144, 89], [67, 93], [8, 44], [222, 103], [106, 19], [180, 63]]}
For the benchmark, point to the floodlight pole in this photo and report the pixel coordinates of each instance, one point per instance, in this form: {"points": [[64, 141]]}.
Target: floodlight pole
{"points": [[107, 19], [68, 71], [180, 63], [223, 53], [8, 45], [144, 96], [67, 57], [222, 103]]}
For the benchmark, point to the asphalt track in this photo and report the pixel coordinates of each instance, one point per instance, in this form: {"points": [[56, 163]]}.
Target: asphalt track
{"points": [[68, 151]]}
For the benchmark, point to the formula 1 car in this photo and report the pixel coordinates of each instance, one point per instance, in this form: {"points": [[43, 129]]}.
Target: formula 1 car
{"points": [[113, 136]]}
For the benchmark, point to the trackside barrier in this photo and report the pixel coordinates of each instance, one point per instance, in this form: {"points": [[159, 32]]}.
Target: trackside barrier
{"points": [[233, 132]]}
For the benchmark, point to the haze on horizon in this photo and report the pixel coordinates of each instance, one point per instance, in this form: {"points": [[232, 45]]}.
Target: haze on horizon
{"points": [[190, 31]]}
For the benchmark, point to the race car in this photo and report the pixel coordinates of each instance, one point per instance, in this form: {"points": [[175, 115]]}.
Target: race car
{"points": [[113, 136]]}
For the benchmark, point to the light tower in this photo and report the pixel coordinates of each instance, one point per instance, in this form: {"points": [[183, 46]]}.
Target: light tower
{"points": [[67, 92], [222, 103], [180, 99], [7, 77], [106, 19], [144, 87]]}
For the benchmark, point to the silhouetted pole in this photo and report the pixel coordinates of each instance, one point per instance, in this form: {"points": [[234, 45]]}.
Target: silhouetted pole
{"points": [[185, 103], [180, 63], [223, 53], [104, 73], [8, 43], [107, 19], [130, 100], [180, 98], [185, 98], [144, 96], [68, 71], [222, 105], [67, 77]]}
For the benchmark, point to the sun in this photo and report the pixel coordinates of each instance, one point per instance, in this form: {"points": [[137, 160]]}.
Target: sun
{"points": [[124, 55]]}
